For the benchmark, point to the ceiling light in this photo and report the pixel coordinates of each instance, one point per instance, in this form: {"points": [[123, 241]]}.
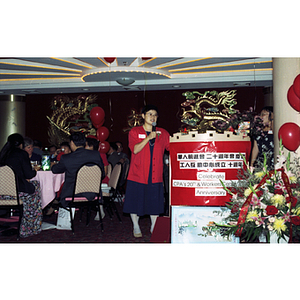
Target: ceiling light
{"points": [[125, 81], [241, 83]]}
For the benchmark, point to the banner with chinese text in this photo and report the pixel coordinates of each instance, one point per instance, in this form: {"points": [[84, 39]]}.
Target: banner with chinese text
{"points": [[198, 163]]}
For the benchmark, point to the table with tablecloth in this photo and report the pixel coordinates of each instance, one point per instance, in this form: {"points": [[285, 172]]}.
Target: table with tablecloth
{"points": [[50, 184]]}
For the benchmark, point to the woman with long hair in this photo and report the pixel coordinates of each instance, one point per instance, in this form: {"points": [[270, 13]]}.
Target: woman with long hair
{"points": [[264, 143], [13, 155]]}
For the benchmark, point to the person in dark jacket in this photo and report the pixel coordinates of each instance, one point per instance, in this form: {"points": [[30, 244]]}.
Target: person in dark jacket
{"points": [[70, 163], [13, 155]]}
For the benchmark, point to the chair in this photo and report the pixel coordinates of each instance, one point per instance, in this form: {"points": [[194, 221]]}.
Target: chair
{"points": [[9, 194], [122, 182], [88, 180], [109, 197], [109, 169]]}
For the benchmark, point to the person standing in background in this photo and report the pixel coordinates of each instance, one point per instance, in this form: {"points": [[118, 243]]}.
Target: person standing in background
{"points": [[264, 143]]}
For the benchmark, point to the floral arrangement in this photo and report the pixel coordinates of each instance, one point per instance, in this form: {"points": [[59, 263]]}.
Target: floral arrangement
{"points": [[263, 203], [255, 123]]}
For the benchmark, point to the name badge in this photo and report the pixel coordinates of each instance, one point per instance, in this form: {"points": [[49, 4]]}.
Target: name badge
{"points": [[142, 136]]}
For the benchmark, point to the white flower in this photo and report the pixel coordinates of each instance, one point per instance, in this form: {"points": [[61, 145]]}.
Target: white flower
{"points": [[281, 159], [263, 206], [270, 227], [271, 219]]}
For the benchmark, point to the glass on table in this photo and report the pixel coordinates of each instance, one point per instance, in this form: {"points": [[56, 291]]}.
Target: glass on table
{"points": [[36, 165]]}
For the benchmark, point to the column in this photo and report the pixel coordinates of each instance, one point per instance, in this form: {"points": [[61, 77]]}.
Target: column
{"points": [[12, 116], [284, 72]]}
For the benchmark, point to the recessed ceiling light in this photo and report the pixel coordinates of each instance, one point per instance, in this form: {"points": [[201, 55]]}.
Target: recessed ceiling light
{"points": [[176, 86], [85, 89]]}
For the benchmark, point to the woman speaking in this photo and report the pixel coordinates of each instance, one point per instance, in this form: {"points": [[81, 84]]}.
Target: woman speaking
{"points": [[145, 191]]}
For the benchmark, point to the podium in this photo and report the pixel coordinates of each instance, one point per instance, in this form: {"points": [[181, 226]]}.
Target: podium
{"points": [[200, 163]]}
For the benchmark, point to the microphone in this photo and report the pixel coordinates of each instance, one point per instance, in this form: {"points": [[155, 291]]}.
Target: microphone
{"points": [[154, 126]]}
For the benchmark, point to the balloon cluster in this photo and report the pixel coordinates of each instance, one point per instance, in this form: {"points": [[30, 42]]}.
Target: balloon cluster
{"points": [[97, 116], [289, 132]]}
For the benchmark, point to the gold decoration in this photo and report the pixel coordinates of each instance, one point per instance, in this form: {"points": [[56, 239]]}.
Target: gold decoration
{"points": [[200, 111], [70, 115], [134, 119]]}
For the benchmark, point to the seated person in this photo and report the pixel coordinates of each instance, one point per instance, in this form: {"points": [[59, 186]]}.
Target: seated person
{"points": [[52, 150], [112, 154], [93, 144], [63, 149], [122, 155], [38, 147], [70, 163], [28, 147], [29, 191]]}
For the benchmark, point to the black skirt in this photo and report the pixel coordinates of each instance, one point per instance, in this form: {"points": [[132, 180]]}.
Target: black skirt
{"points": [[144, 199]]}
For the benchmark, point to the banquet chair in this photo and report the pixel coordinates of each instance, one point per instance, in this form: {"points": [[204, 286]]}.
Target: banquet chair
{"points": [[111, 195], [122, 183], [87, 180], [9, 194], [109, 169]]}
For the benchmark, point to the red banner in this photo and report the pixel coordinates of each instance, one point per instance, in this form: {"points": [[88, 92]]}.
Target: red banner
{"points": [[197, 168]]}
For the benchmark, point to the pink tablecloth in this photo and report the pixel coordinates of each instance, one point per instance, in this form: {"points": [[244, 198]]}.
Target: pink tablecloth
{"points": [[50, 184]]}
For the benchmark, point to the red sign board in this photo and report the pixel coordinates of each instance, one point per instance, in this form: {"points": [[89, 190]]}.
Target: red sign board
{"points": [[198, 166]]}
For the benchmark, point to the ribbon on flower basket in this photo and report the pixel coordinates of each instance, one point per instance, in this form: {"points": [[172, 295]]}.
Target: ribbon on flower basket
{"points": [[287, 185], [246, 204]]}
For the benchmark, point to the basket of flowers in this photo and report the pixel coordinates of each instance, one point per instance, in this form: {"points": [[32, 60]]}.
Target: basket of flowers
{"points": [[264, 205]]}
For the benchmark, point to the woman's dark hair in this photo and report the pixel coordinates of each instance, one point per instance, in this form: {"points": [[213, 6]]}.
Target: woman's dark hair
{"points": [[93, 142], [149, 107], [269, 109], [13, 141]]}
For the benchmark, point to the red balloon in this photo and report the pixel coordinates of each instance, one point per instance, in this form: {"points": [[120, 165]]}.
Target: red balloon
{"points": [[102, 134], [296, 85], [110, 59], [293, 99], [104, 147], [98, 125], [289, 133], [97, 115]]}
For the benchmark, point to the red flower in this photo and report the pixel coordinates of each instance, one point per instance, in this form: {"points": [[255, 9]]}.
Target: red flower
{"points": [[271, 210], [278, 192], [295, 220], [294, 200], [259, 193], [235, 208]]}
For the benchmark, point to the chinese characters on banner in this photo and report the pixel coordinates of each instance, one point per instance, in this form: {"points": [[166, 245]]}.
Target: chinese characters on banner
{"points": [[199, 162]]}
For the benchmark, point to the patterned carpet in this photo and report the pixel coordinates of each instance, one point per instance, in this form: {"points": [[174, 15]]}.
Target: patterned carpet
{"points": [[114, 231]]}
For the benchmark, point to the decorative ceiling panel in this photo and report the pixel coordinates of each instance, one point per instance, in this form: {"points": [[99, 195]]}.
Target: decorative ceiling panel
{"points": [[96, 74]]}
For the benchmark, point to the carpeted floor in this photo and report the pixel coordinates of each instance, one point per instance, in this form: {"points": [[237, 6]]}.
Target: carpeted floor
{"points": [[114, 231]]}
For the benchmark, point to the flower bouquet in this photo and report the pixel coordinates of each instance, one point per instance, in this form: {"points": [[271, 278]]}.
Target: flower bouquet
{"points": [[264, 203]]}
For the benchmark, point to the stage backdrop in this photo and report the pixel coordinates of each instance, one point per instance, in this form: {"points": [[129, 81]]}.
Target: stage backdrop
{"points": [[118, 105]]}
